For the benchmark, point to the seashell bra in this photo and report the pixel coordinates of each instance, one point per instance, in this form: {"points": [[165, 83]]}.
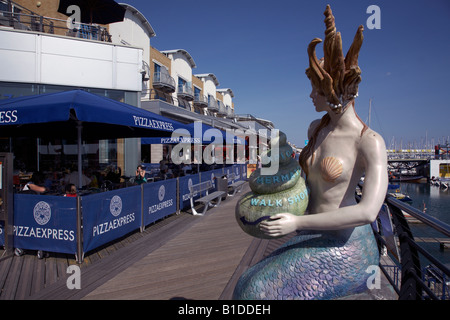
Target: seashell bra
{"points": [[331, 168]]}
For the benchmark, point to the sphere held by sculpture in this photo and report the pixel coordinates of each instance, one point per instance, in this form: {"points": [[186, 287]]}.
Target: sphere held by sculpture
{"points": [[282, 192], [254, 208]]}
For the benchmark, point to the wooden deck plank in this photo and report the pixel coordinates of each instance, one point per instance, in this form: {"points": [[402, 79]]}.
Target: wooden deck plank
{"points": [[24, 286], [5, 265], [10, 288], [38, 281]]}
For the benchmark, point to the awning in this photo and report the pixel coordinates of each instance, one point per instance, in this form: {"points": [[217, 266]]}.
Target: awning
{"points": [[53, 114], [202, 135], [78, 114]]}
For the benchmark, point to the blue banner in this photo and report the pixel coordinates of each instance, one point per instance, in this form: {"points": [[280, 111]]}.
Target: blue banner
{"points": [[208, 175], [212, 175], [47, 223], [238, 170], [160, 200], [184, 183], [243, 171], [110, 215], [2, 234]]}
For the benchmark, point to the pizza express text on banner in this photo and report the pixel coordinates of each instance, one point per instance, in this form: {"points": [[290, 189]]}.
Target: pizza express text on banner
{"points": [[110, 215], [160, 200], [45, 223]]}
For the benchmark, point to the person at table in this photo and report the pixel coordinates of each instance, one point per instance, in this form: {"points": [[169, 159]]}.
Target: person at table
{"points": [[35, 184], [72, 177], [140, 175], [71, 190]]}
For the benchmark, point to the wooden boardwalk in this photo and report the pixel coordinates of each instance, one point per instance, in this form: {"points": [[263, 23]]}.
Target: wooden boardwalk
{"points": [[180, 257]]}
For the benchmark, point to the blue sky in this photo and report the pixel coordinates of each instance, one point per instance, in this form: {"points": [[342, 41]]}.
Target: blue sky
{"points": [[258, 49]]}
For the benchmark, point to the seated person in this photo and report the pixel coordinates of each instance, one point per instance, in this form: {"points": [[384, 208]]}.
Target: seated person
{"points": [[71, 190], [72, 177], [186, 168], [140, 175], [33, 186]]}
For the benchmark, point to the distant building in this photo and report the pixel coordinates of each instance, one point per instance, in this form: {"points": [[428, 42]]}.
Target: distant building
{"points": [[40, 54]]}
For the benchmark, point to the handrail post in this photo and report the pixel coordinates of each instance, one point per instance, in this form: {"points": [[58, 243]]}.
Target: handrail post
{"points": [[178, 196], [142, 208], [80, 253]]}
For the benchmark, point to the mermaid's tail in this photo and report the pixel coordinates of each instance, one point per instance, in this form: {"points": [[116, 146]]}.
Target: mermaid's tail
{"points": [[312, 266]]}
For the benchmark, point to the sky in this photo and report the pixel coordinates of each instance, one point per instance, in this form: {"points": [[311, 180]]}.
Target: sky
{"points": [[258, 50]]}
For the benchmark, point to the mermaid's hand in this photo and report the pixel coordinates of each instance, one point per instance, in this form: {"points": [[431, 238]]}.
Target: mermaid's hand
{"points": [[280, 224]]}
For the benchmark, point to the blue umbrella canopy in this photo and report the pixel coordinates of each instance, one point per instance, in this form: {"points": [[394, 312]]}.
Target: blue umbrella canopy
{"points": [[80, 115], [204, 134], [55, 114]]}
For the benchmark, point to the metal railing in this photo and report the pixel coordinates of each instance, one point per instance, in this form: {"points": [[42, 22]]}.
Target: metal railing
{"points": [[185, 91], [212, 105], [15, 16], [230, 112], [200, 100], [409, 278], [164, 81], [222, 109]]}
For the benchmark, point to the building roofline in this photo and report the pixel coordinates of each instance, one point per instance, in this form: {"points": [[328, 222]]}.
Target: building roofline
{"points": [[226, 90], [141, 17], [184, 52], [211, 75], [267, 123]]}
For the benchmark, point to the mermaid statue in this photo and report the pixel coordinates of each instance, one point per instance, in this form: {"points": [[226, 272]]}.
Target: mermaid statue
{"points": [[334, 246]]}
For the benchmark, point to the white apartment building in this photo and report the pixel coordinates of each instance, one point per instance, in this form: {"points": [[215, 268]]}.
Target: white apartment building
{"points": [[135, 30], [182, 64], [115, 61], [210, 84], [41, 55]]}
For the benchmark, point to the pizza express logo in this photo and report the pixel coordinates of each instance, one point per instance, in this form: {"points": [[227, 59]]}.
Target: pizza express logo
{"points": [[162, 204], [161, 193], [42, 213], [115, 207]]}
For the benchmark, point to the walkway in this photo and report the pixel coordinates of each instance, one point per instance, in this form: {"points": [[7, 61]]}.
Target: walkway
{"points": [[180, 257], [183, 256], [197, 264]]}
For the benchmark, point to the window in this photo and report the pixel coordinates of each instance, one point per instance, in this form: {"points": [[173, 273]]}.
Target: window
{"points": [[181, 84], [197, 92], [157, 74]]}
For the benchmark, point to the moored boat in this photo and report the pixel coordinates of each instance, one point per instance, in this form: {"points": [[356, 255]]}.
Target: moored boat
{"points": [[394, 190]]}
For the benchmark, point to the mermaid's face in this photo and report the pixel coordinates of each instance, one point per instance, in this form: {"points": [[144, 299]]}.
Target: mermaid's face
{"points": [[319, 100]]}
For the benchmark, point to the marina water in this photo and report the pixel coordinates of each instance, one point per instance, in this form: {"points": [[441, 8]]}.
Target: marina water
{"points": [[436, 202]]}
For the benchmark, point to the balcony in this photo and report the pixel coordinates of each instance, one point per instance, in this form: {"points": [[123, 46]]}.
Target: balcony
{"points": [[230, 112], [163, 82], [14, 16], [185, 92], [222, 109], [212, 105], [200, 101]]}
